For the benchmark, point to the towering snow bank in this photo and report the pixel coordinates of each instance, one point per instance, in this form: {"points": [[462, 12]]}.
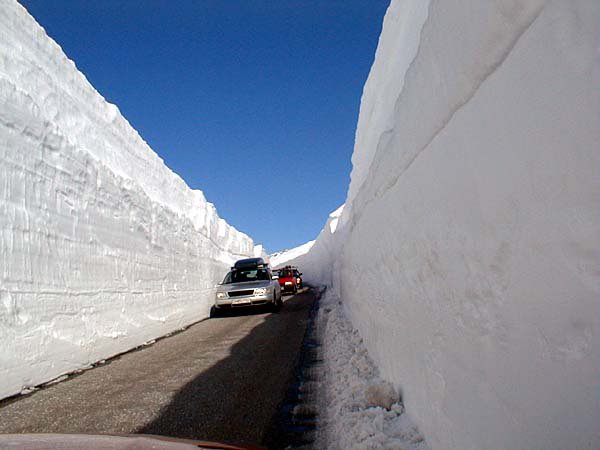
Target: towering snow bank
{"points": [[102, 247], [468, 251]]}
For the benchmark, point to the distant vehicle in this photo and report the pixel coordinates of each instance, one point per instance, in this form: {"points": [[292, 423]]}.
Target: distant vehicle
{"points": [[287, 280], [298, 276], [248, 283]]}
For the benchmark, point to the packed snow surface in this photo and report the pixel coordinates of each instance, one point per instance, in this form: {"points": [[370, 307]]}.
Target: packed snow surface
{"points": [[102, 247], [468, 249]]}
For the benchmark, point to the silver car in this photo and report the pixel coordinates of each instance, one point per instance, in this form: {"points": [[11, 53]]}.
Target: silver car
{"points": [[249, 283]]}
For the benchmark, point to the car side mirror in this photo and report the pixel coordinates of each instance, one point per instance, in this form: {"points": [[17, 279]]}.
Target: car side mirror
{"points": [[300, 273], [275, 277]]}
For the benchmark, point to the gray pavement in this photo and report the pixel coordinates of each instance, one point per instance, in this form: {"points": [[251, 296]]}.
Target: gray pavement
{"points": [[221, 380]]}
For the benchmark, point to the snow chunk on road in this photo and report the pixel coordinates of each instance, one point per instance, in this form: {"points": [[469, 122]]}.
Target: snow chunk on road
{"points": [[359, 410], [382, 395]]}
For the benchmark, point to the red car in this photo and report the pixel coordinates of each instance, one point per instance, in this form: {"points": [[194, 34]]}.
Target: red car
{"points": [[288, 280]]}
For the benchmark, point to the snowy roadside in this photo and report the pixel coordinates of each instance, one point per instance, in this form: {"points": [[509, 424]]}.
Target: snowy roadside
{"points": [[358, 409]]}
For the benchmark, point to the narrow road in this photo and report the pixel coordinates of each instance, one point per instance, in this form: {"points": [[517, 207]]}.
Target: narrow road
{"points": [[221, 380]]}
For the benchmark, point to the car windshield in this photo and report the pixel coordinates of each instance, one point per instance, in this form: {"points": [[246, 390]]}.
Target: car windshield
{"points": [[240, 276], [285, 273]]}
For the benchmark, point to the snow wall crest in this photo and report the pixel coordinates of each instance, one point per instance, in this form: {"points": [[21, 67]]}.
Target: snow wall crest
{"points": [[95, 259]]}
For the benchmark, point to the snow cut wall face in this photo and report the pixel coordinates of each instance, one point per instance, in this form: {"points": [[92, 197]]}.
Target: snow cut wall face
{"points": [[102, 247], [467, 254], [315, 259]]}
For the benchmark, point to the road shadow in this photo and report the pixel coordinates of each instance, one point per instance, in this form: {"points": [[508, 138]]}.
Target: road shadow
{"points": [[235, 400]]}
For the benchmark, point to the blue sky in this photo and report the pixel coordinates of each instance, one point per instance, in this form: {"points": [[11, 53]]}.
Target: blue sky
{"points": [[253, 102]]}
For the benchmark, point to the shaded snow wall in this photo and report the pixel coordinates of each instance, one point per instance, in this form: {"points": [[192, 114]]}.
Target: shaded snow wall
{"points": [[102, 247], [315, 259], [468, 252]]}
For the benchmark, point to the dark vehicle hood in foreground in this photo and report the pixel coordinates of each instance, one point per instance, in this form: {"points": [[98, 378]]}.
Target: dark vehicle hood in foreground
{"points": [[108, 442]]}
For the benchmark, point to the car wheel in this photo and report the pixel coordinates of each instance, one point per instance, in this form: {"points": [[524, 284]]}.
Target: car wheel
{"points": [[295, 290], [213, 312], [275, 307]]}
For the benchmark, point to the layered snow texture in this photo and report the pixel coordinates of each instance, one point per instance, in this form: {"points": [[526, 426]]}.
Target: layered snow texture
{"points": [[102, 247], [467, 253]]}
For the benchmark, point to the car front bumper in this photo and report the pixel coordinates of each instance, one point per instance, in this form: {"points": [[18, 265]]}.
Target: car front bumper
{"points": [[239, 302]]}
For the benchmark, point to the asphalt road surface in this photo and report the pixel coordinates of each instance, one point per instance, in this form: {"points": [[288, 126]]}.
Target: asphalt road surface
{"points": [[221, 380]]}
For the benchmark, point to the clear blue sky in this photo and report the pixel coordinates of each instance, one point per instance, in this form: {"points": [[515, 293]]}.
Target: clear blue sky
{"points": [[253, 102]]}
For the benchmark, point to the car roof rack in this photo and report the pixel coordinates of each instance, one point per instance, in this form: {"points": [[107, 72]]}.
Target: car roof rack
{"points": [[250, 263]]}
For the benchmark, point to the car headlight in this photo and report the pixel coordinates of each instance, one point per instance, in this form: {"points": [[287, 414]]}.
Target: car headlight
{"points": [[260, 291], [221, 295]]}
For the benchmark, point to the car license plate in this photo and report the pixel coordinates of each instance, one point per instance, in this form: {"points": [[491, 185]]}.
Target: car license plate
{"points": [[241, 302]]}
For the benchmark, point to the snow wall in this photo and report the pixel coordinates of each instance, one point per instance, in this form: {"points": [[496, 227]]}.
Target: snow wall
{"points": [[102, 247], [468, 252]]}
